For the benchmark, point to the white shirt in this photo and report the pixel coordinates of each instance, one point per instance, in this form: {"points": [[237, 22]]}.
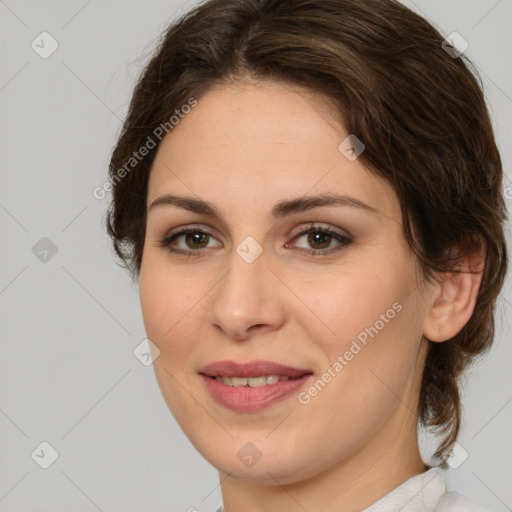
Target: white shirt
{"points": [[421, 493]]}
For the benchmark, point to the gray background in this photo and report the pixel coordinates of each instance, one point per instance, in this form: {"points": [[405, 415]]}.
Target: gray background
{"points": [[69, 325]]}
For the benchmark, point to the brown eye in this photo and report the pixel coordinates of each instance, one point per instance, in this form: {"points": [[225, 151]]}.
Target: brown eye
{"points": [[189, 241], [196, 240], [321, 241]]}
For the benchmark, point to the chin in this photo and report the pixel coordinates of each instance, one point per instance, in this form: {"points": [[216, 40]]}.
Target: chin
{"points": [[270, 463]]}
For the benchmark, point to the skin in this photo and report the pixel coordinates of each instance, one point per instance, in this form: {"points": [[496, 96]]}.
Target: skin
{"points": [[245, 147]]}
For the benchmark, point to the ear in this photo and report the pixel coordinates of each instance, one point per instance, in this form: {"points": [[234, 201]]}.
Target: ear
{"points": [[454, 295]]}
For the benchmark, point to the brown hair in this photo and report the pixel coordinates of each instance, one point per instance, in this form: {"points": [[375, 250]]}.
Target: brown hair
{"points": [[419, 111]]}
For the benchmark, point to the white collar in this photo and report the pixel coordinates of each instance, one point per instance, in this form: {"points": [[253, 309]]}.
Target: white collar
{"points": [[421, 493]]}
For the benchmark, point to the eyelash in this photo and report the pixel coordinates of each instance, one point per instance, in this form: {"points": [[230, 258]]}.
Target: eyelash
{"points": [[345, 241]]}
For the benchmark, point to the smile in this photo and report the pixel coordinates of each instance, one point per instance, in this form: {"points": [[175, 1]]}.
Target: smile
{"points": [[253, 382], [252, 386]]}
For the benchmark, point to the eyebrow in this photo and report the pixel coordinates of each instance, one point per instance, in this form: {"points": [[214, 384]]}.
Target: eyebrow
{"points": [[279, 210]]}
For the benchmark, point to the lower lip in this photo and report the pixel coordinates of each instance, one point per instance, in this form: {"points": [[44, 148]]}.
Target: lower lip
{"points": [[245, 398]]}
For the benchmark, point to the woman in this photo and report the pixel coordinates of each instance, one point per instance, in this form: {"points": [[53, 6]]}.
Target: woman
{"points": [[309, 194]]}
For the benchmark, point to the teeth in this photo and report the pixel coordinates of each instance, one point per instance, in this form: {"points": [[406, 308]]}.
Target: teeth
{"points": [[253, 382], [256, 382], [238, 381]]}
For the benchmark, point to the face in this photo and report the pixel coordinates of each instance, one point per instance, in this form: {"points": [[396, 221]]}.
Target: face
{"points": [[289, 326]]}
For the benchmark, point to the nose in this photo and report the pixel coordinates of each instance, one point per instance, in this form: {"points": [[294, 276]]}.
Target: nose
{"points": [[247, 300]]}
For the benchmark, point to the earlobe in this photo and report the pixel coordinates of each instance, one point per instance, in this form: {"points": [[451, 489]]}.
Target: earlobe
{"points": [[455, 298]]}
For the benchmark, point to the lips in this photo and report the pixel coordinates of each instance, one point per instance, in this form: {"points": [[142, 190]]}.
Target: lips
{"points": [[251, 369], [253, 386]]}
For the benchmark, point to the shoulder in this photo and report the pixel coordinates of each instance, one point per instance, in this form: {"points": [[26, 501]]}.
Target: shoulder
{"points": [[453, 501]]}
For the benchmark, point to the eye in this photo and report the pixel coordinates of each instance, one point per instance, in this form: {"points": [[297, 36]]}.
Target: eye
{"points": [[321, 239], [192, 240]]}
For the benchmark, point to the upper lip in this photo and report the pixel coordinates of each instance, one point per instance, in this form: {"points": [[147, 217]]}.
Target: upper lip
{"points": [[250, 369]]}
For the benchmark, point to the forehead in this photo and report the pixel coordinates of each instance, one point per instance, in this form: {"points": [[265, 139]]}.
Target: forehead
{"points": [[256, 144]]}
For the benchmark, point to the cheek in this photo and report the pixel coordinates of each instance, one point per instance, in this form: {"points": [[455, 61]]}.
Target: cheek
{"points": [[167, 298], [353, 302], [368, 377], [366, 324], [374, 354]]}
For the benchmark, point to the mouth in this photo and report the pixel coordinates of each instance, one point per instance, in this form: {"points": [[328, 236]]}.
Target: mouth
{"points": [[252, 386], [253, 382]]}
